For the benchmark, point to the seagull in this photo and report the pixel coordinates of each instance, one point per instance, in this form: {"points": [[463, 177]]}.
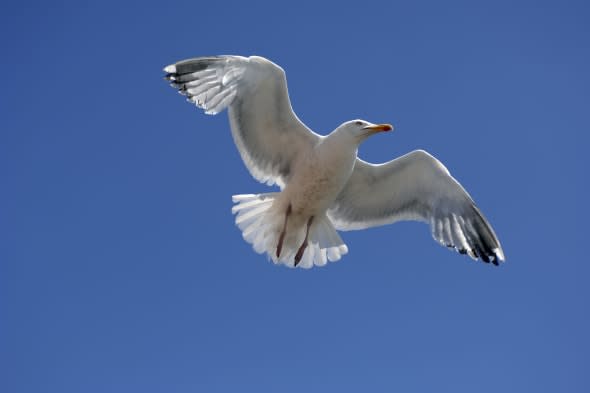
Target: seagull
{"points": [[324, 186]]}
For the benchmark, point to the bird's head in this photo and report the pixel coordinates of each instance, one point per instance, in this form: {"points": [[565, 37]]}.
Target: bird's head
{"points": [[361, 129]]}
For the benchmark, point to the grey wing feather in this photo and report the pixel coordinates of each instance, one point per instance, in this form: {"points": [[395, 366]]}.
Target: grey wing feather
{"points": [[268, 134], [416, 187]]}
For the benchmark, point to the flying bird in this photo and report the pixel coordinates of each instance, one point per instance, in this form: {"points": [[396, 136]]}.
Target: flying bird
{"points": [[324, 186]]}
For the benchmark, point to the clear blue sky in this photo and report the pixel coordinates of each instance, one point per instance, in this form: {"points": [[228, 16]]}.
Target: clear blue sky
{"points": [[122, 271]]}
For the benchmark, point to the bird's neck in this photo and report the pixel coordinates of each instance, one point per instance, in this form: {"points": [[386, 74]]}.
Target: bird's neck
{"points": [[338, 150]]}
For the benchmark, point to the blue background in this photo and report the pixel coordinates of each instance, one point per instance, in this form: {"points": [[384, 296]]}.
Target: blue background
{"points": [[122, 270]]}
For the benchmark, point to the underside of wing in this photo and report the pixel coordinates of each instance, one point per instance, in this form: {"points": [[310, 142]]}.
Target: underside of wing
{"points": [[416, 187], [268, 134]]}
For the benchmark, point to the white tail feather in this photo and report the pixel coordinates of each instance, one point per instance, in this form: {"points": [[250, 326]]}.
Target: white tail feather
{"points": [[261, 226]]}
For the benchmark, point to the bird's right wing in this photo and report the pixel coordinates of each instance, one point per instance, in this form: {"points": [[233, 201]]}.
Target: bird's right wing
{"points": [[268, 134], [418, 187]]}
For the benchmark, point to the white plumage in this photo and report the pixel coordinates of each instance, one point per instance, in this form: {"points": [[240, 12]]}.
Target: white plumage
{"points": [[324, 186]]}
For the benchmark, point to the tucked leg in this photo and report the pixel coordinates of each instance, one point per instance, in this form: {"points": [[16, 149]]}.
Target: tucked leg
{"points": [[301, 250], [282, 236]]}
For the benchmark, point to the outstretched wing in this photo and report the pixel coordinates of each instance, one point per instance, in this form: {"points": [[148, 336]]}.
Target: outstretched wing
{"points": [[418, 187], [269, 136]]}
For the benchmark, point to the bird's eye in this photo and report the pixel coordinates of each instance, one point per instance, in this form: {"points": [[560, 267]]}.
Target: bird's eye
{"points": [[358, 123]]}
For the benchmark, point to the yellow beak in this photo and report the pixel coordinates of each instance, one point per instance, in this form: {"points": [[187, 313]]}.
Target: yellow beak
{"points": [[379, 127]]}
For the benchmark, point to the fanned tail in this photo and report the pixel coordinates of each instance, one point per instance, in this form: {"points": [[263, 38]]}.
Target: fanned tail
{"points": [[250, 210], [261, 226]]}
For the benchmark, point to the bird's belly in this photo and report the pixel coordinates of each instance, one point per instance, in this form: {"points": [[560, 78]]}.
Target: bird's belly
{"points": [[313, 191]]}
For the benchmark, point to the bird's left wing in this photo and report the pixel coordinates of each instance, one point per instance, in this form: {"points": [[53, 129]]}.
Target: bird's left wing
{"points": [[268, 134], [418, 187]]}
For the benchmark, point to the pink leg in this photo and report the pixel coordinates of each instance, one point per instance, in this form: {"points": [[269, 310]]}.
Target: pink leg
{"points": [[282, 236], [301, 250]]}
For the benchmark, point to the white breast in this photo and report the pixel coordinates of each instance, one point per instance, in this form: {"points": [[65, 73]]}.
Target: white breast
{"points": [[319, 177]]}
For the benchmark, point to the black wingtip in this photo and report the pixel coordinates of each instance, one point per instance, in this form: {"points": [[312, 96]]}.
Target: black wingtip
{"points": [[197, 64]]}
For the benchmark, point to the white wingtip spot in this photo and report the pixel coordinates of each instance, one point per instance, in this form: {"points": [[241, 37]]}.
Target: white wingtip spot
{"points": [[171, 69], [499, 254]]}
